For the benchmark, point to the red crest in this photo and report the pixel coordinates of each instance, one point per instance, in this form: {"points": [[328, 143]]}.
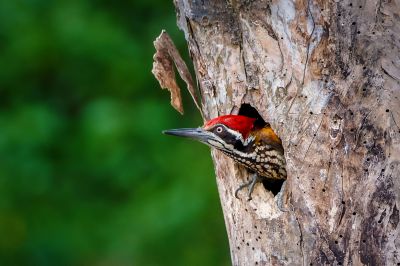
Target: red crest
{"points": [[240, 123]]}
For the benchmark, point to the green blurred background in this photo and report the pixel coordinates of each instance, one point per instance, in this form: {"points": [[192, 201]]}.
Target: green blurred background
{"points": [[86, 177]]}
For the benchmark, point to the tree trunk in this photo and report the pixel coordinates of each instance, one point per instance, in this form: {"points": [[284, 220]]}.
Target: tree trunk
{"points": [[326, 76]]}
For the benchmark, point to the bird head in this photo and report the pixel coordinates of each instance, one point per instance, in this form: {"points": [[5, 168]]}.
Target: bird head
{"points": [[224, 132]]}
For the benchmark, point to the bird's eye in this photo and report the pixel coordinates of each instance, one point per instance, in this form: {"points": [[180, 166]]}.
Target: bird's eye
{"points": [[219, 129]]}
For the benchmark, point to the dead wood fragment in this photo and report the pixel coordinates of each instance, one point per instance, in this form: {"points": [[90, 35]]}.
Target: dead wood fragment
{"points": [[165, 57]]}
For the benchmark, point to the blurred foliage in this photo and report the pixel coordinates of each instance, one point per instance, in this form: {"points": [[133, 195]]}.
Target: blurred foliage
{"points": [[86, 177]]}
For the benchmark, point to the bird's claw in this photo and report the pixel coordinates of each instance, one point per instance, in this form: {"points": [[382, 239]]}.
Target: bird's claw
{"points": [[250, 184]]}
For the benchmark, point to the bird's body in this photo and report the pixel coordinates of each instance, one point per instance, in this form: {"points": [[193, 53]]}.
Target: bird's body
{"points": [[263, 154], [248, 143]]}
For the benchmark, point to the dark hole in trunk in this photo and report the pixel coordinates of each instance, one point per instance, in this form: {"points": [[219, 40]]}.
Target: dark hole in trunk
{"points": [[249, 111], [272, 185]]}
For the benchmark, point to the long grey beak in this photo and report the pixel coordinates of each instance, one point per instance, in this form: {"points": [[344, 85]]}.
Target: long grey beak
{"points": [[193, 133]]}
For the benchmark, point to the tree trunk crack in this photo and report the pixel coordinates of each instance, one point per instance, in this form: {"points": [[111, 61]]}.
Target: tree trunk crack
{"points": [[304, 130], [329, 167], [357, 136], [308, 43], [282, 57], [312, 139], [378, 8], [301, 243], [307, 56], [390, 75], [394, 120]]}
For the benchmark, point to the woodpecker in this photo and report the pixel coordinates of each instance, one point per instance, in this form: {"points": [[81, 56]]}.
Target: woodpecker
{"points": [[246, 141]]}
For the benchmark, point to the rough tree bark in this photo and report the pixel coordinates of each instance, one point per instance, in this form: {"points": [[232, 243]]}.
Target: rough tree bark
{"points": [[326, 75]]}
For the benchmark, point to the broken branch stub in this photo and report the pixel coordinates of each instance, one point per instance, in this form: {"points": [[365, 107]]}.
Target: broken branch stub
{"points": [[165, 57]]}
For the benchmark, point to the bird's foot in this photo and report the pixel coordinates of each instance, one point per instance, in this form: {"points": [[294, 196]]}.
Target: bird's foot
{"points": [[250, 184]]}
